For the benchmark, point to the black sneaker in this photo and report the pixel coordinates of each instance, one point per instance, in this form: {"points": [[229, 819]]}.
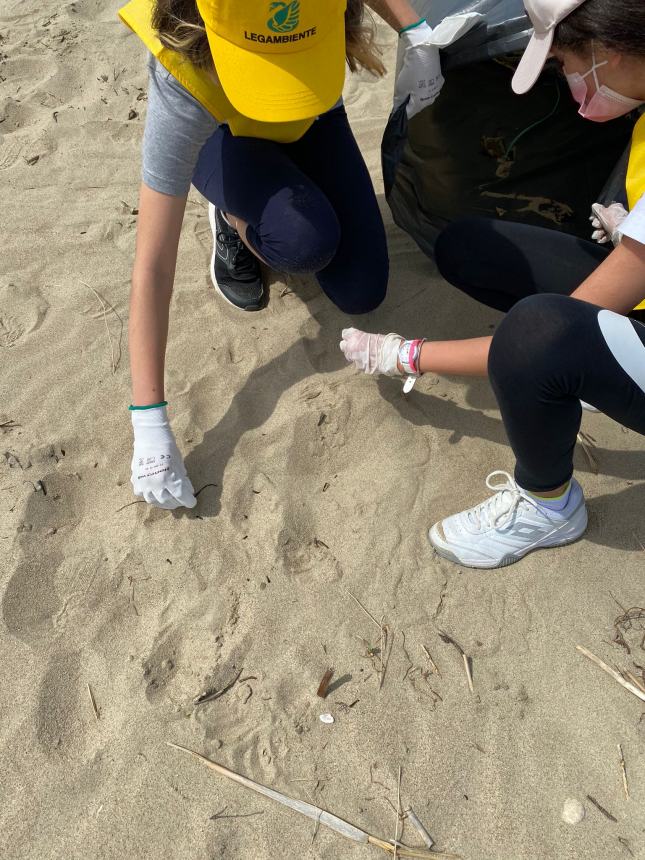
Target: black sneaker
{"points": [[235, 271]]}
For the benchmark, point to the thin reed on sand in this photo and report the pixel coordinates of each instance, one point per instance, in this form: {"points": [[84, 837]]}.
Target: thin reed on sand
{"points": [[333, 822]]}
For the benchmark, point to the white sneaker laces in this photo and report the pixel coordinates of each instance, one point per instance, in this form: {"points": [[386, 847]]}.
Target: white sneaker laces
{"points": [[501, 507]]}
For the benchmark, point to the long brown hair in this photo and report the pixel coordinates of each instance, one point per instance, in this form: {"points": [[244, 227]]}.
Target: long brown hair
{"points": [[180, 27]]}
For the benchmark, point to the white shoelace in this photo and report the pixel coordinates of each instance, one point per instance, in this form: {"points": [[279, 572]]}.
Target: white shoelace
{"points": [[497, 510]]}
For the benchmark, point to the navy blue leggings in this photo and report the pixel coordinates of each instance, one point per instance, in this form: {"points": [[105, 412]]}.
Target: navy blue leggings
{"points": [[550, 351], [310, 206]]}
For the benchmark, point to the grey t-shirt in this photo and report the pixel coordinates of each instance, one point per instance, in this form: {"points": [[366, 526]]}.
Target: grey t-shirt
{"points": [[177, 127]]}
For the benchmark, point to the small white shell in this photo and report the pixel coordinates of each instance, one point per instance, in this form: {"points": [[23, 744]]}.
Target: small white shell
{"points": [[327, 719], [573, 811]]}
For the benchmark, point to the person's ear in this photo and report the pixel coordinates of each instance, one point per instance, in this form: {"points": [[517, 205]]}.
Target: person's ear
{"points": [[614, 59]]}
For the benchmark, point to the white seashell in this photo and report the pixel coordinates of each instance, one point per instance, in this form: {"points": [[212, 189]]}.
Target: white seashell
{"points": [[573, 811], [327, 719]]}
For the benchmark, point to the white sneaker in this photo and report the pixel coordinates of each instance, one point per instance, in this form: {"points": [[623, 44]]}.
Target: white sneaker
{"points": [[506, 527]]}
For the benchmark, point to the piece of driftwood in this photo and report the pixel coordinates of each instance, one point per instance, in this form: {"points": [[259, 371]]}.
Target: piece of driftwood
{"points": [[615, 674], [339, 825]]}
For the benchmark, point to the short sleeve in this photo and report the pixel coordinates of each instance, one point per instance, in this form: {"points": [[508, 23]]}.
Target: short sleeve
{"points": [[177, 126], [634, 225]]}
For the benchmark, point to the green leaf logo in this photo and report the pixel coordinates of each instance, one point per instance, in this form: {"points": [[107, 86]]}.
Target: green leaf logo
{"points": [[285, 17]]}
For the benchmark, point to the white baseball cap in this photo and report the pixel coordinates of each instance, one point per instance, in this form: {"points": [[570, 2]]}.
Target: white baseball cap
{"points": [[545, 16]]}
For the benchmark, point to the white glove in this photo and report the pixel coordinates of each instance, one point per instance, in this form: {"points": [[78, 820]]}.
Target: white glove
{"points": [[372, 353], [158, 471], [606, 221], [418, 71]]}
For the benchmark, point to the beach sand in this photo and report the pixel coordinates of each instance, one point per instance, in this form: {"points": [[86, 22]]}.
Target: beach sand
{"points": [[316, 482]]}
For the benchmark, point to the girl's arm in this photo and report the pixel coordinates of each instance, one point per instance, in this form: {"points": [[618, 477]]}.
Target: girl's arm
{"points": [[158, 230], [397, 13], [618, 284]]}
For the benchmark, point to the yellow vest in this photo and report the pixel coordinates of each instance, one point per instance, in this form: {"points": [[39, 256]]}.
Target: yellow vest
{"points": [[202, 84], [636, 170]]}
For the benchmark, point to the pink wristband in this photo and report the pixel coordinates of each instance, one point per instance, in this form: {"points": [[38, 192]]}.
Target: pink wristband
{"points": [[409, 354]]}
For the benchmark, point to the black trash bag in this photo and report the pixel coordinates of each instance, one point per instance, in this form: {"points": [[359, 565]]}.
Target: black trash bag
{"points": [[482, 150]]}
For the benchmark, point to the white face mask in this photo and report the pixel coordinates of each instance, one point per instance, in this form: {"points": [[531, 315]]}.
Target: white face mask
{"points": [[605, 103]]}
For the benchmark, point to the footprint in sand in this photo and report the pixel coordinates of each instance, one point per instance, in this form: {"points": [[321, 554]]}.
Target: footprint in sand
{"points": [[10, 152], [32, 309]]}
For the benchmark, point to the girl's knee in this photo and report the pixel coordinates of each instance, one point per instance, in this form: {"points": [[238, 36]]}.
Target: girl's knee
{"points": [[532, 334], [299, 236], [359, 292]]}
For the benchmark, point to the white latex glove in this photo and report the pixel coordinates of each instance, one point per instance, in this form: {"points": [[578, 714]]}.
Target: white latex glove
{"points": [[418, 71], [372, 353], [606, 221], [158, 471]]}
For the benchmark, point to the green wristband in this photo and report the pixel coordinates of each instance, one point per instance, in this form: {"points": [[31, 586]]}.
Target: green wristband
{"points": [[412, 26], [152, 406]]}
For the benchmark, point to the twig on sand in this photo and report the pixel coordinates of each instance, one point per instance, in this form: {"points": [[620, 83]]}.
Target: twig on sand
{"points": [[93, 701], [623, 769], [602, 809], [219, 816], [339, 825], [634, 680], [433, 665], [123, 507], [105, 305], [398, 815], [201, 489], [366, 611], [450, 641], [212, 695], [615, 674], [423, 833], [383, 629]]}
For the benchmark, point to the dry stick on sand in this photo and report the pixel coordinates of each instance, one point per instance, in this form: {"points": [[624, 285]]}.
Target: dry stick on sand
{"points": [[615, 674], [414, 820], [623, 769], [602, 809], [383, 632], [450, 641], [339, 825], [433, 665], [634, 680], [93, 701], [398, 814], [212, 695], [104, 305]]}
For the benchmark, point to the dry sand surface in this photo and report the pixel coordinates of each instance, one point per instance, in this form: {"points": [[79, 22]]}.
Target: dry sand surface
{"points": [[318, 481]]}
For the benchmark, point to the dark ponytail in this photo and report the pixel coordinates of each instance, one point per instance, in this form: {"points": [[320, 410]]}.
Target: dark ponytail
{"points": [[616, 24]]}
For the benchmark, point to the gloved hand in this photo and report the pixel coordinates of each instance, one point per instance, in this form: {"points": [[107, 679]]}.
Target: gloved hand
{"points": [[372, 353], [158, 471], [606, 221], [418, 69]]}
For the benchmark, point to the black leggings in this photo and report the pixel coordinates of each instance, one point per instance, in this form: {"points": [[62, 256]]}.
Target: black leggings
{"points": [[310, 206], [550, 351]]}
